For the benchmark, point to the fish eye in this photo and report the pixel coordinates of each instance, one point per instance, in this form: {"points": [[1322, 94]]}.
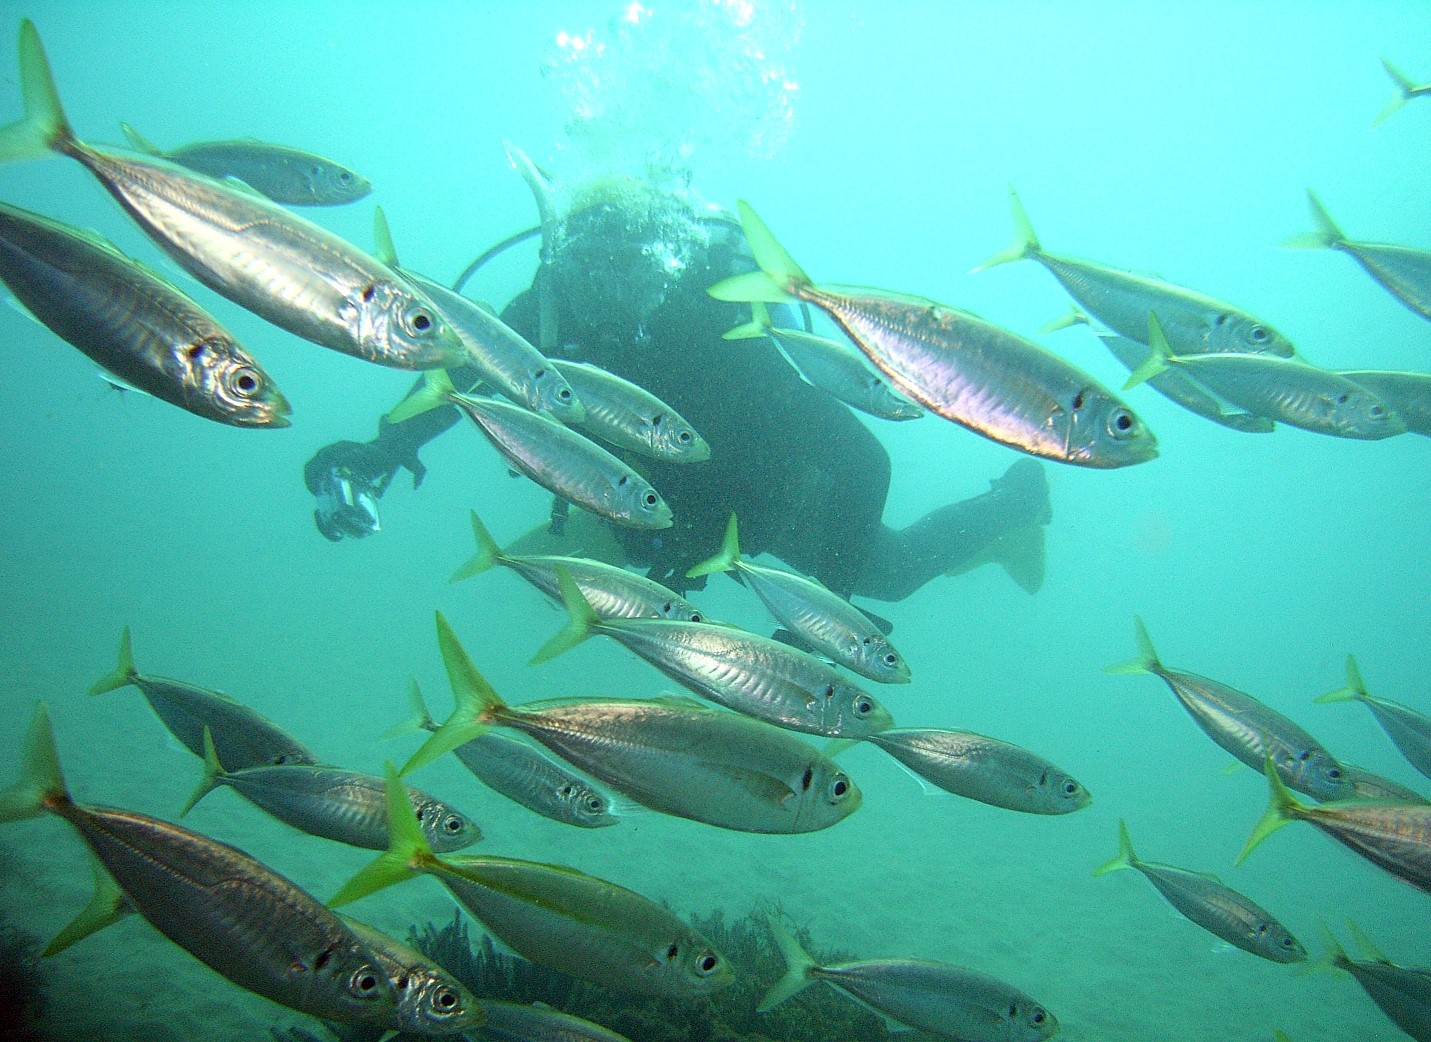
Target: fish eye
{"points": [[1377, 411], [453, 824], [418, 320], [1070, 787], [707, 964], [697, 617], [364, 983], [1287, 941], [445, 999], [594, 805], [564, 394], [891, 659], [864, 707], [1259, 334], [345, 177], [841, 788], [1039, 1016], [650, 499], [684, 437], [1334, 773], [1120, 422], [245, 381]]}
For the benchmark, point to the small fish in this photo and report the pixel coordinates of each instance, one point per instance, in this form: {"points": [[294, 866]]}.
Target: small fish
{"points": [[237, 916], [286, 175], [553, 916], [1408, 394], [1205, 901], [557, 458], [831, 366], [945, 1000], [521, 773], [1281, 389], [514, 1022], [673, 755], [282, 267], [335, 804], [1403, 993], [1194, 323], [132, 323], [430, 1001], [1369, 786], [612, 591], [243, 737], [1403, 272], [825, 621], [1406, 89], [984, 769], [1395, 836], [1173, 385], [498, 352], [958, 366], [754, 675], [1245, 727], [1410, 730], [631, 417]]}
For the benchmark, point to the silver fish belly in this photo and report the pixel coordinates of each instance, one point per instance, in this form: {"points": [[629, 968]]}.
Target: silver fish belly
{"points": [[842, 372], [1222, 912], [631, 417], [612, 592]]}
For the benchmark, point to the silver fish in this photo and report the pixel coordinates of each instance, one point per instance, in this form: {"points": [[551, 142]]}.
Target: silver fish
{"points": [[285, 174], [754, 675], [1282, 389], [631, 417], [132, 323], [430, 1001], [1205, 901], [612, 591], [506, 361], [831, 366], [259, 255], [1403, 272], [945, 1000], [1175, 386], [557, 458], [673, 755], [956, 365], [1245, 727], [825, 621], [242, 737], [1403, 993], [984, 769], [235, 915], [1392, 835], [513, 1022], [1406, 89], [333, 803], [1194, 322], [1408, 394], [1410, 730], [521, 772], [554, 916], [1367, 785]]}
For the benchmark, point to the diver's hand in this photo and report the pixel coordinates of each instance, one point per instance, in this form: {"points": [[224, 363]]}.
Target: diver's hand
{"points": [[347, 479]]}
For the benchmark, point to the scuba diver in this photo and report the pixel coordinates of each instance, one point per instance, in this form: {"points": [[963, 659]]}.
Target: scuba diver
{"points": [[623, 279]]}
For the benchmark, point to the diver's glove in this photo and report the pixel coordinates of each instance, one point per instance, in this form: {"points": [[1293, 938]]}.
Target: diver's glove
{"points": [[347, 479]]}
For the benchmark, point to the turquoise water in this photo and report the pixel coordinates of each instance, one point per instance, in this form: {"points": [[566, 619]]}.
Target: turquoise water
{"points": [[1172, 138]]}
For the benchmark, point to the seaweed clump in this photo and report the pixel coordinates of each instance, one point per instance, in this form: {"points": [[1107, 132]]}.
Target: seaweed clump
{"points": [[22, 1001], [817, 1014]]}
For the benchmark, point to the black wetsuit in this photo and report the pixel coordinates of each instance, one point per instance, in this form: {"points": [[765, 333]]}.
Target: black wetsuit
{"points": [[803, 473]]}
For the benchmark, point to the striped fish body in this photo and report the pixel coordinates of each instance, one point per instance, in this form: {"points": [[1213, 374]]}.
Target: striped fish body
{"points": [[276, 264], [133, 323], [237, 916], [1403, 272], [1299, 395], [1252, 732], [1408, 394], [1223, 912], [1194, 323], [584, 926], [1183, 389], [839, 371], [242, 737], [525, 776], [946, 1000], [988, 380], [754, 675], [628, 416], [984, 769], [567, 464], [1395, 836], [612, 592], [504, 358], [345, 806], [694, 762], [826, 622]]}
